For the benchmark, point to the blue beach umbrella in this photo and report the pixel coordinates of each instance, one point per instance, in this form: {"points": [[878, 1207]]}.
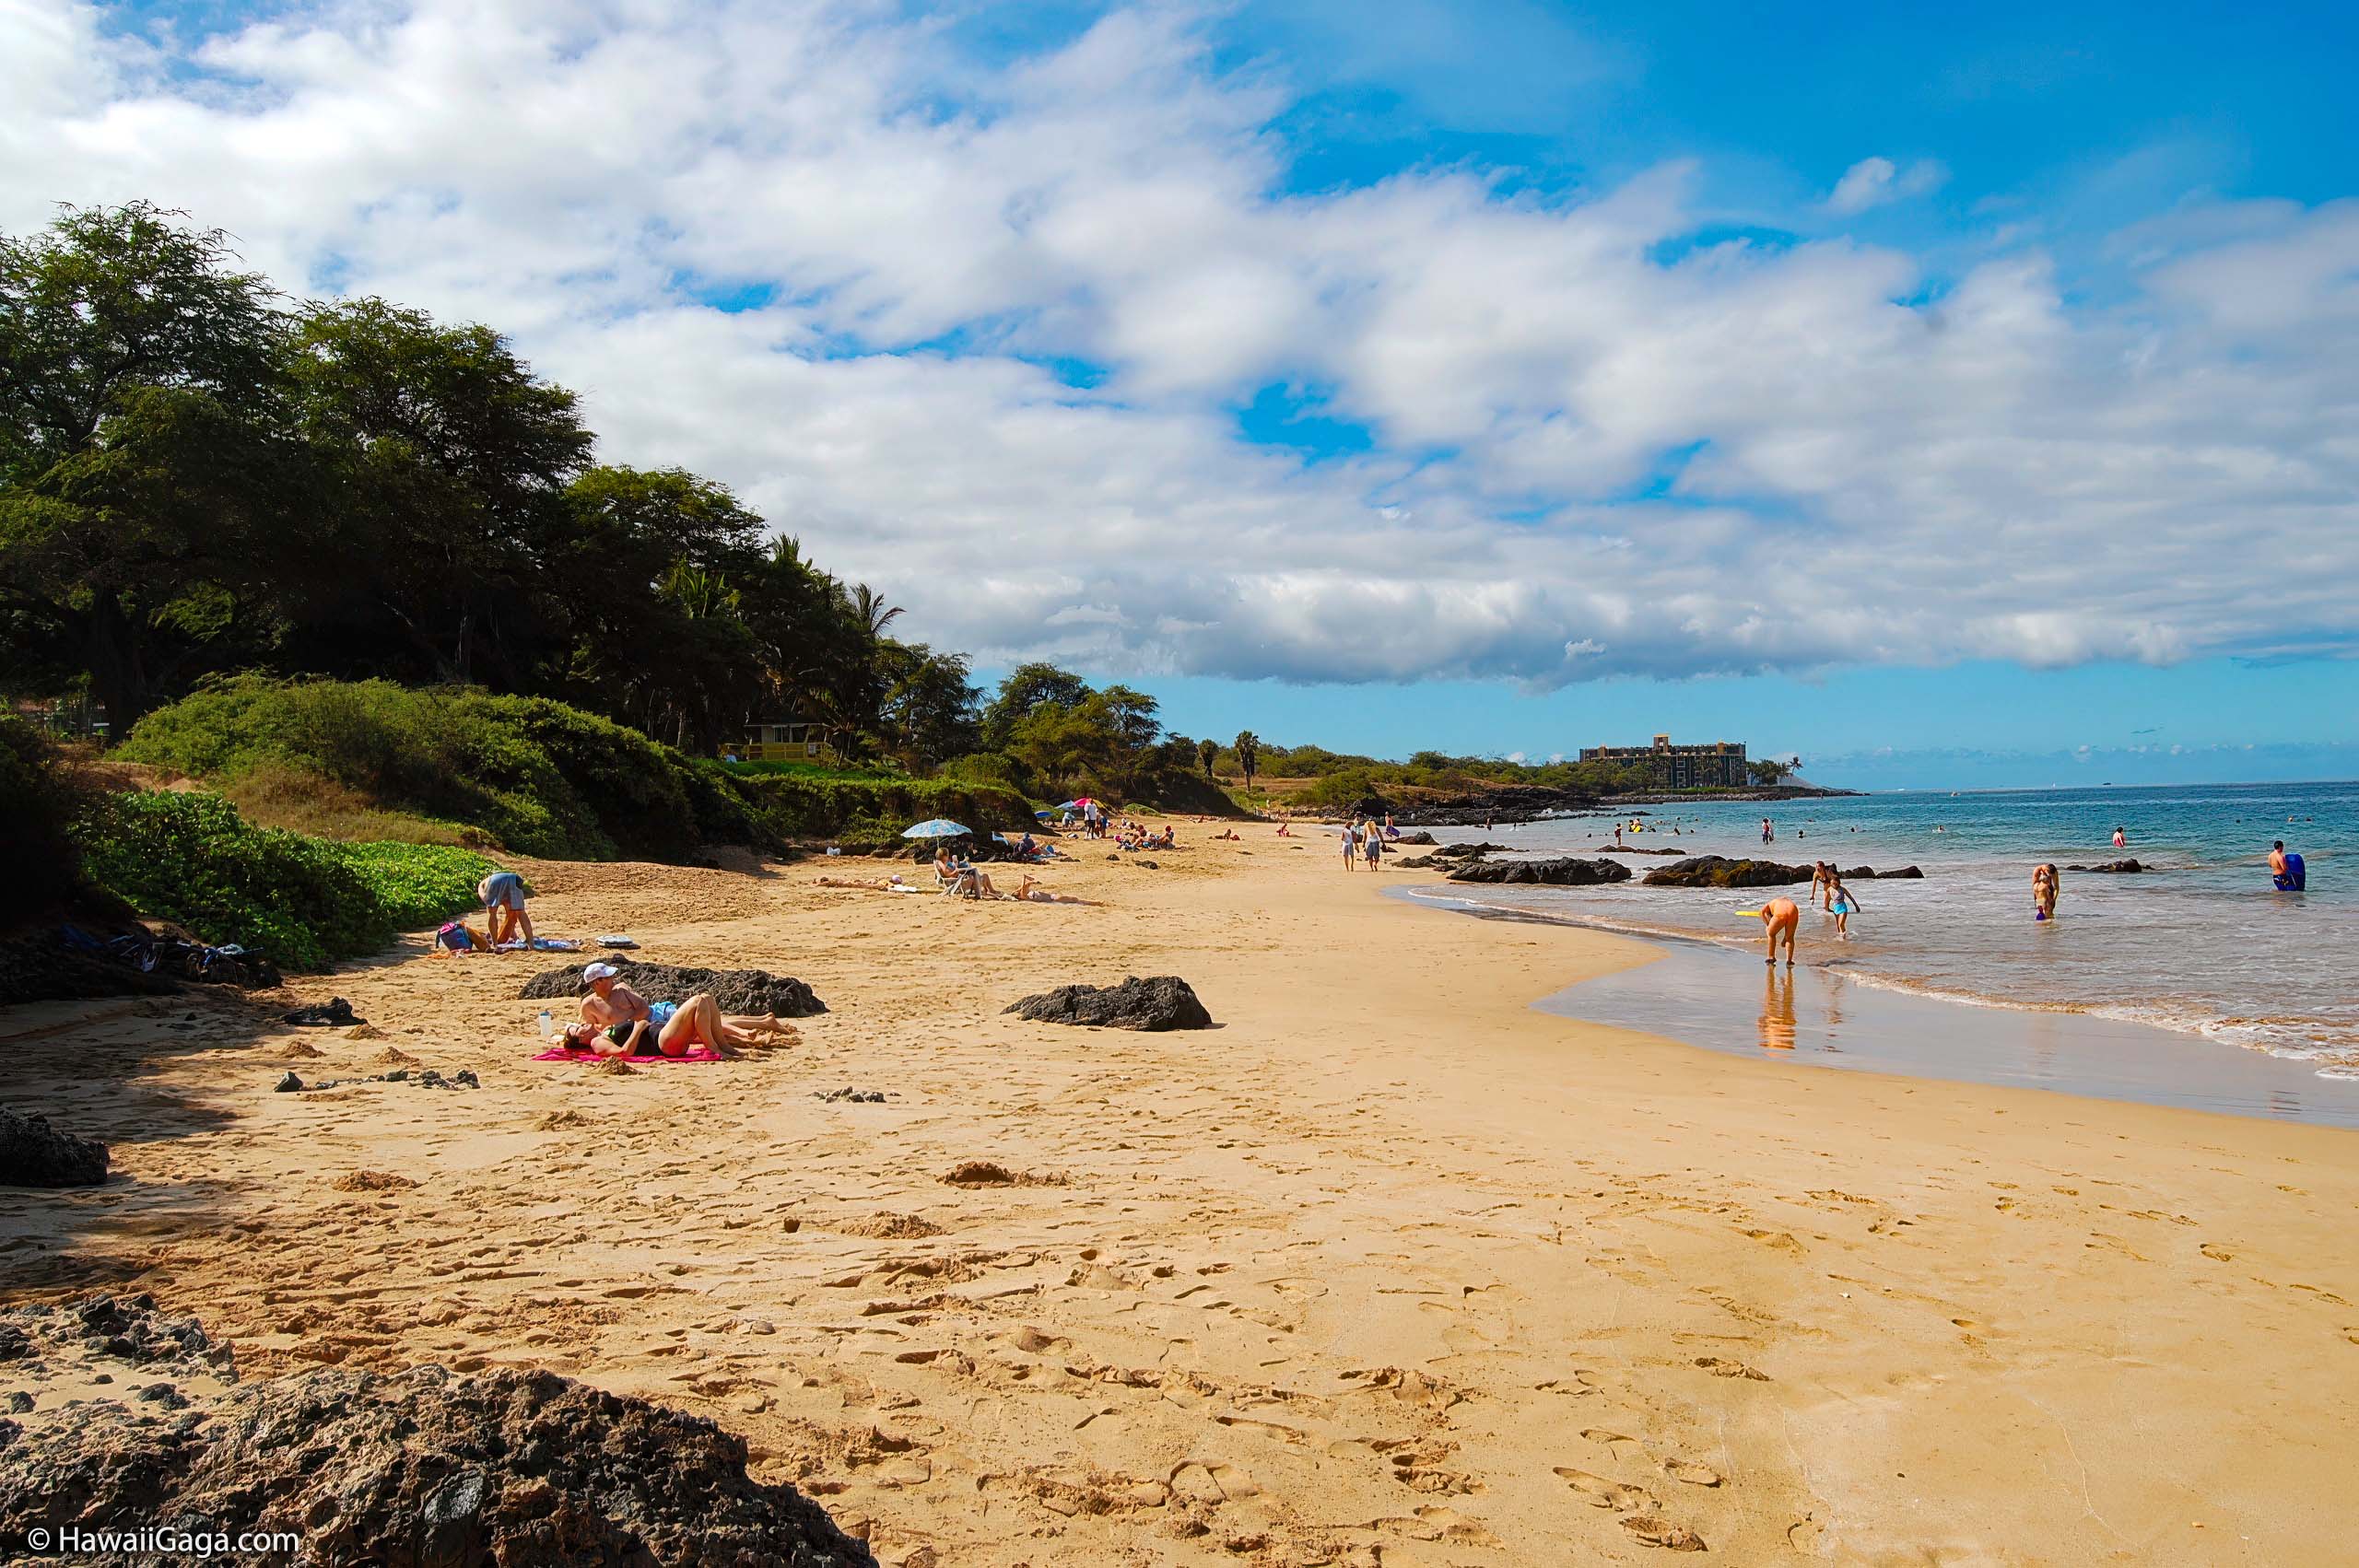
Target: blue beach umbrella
{"points": [[940, 827]]}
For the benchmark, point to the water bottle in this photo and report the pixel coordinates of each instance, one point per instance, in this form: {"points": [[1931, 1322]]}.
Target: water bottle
{"points": [[549, 1025]]}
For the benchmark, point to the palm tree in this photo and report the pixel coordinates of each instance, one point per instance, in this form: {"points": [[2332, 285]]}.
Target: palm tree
{"points": [[868, 607], [1248, 746], [1207, 750]]}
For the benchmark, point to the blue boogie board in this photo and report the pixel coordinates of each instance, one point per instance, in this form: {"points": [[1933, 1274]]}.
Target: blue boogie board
{"points": [[2295, 876]]}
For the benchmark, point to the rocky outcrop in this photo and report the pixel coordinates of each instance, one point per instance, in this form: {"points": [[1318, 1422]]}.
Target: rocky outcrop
{"points": [[1568, 871], [736, 990], [2110, 868], [1165, 1002], [1719, 870], [1508, 802], [421, 1468], [1865, 873], [33, 1154]]}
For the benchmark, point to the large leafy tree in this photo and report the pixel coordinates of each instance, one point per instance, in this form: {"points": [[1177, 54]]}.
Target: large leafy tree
{"points": [[451, 460], [149, 502], [1028, 689]]}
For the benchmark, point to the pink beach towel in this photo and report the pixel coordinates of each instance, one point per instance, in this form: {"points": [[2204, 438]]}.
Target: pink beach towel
{"points": [[701, 1053]]}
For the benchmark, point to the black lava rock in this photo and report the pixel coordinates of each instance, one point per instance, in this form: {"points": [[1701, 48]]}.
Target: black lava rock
{"points": [[1719, 870], [1568, 871], [424, 1468], [733, 990], [33, 1154], [2112, 868], [1164, 1001]]}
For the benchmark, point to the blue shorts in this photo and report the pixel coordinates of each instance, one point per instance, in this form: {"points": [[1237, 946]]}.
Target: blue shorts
{"points": [[659, 1013]]}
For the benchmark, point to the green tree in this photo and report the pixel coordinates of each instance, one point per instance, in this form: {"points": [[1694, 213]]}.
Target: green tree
{"points": [[149, 505], [1207, 750], [453, 459], [1248, 747], [1028, 689]]}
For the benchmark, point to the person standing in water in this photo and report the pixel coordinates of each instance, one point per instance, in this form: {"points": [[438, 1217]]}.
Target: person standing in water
{"points": [[2120, 839], [2286, 872], [2044, 890], [1767, 832], [1779, 918], [1822, 883], [1840, 904]]}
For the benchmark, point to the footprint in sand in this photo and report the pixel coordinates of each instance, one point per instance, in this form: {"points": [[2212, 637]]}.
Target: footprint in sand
{"points": [[1691, 1472], [1651, 1531], [2218, 1254], [1721, 1366], [1602, 1491]]}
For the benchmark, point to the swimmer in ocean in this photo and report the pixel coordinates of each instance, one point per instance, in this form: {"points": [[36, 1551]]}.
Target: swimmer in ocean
{"points": [[1779, 917]]}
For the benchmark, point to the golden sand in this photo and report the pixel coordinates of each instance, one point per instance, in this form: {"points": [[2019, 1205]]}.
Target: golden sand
{"points": [[1390, 1268]]}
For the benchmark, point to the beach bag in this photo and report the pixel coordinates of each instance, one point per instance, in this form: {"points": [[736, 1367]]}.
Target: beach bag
{"points": [[453, 936]]}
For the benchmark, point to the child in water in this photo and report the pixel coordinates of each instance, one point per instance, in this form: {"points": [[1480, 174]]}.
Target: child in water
{"points": [[1840, 904]]}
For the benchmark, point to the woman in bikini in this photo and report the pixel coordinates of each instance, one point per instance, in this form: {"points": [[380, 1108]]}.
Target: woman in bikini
{"points": [[696, 1022]]}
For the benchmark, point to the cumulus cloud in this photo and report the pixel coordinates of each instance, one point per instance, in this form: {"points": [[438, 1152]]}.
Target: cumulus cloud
{"points": [[1592, 452], [1873, 181]]}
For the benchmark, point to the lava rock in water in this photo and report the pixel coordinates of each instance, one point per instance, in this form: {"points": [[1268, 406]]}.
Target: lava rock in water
{"points": [[1568, 871], [33, 1154], [1719, 870], [2112, 867], [1869, 874], [1420, 837], [733, 990], [424, 1468], [1165, 1002]]}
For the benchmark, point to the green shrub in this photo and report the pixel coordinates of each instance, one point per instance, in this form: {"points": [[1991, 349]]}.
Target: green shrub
{"points": [[536, 776], [304, 902]]}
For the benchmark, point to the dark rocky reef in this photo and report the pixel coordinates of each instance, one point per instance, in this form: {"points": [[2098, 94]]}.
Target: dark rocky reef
{"points": [[1165, 1002], [1719, 870], [419, 1469], [2110, 868], [33, 1154], [1568, 871], [1508, 803], [736, 990]]}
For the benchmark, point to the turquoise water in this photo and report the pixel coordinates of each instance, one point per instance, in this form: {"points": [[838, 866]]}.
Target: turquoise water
{"points": [[2200, 943]]}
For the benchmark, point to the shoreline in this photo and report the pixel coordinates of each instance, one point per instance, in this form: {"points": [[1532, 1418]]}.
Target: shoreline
{"points": [[1392, 1267], [1707, 994]]}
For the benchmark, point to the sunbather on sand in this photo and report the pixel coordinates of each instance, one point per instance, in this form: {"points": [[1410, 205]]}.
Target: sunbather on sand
{"points": [[1031, 892], [873, 884], [696, 1022]]}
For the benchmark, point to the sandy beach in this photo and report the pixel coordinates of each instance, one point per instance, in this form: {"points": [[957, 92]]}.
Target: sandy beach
{"points": [[1390, 1268]]}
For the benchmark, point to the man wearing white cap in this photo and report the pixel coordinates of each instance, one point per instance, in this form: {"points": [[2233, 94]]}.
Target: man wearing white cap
{"points": [[610, 1002]]}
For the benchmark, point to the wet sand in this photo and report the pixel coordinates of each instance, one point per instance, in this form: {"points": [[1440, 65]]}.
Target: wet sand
{"points": [[1390, 1267], [1729, 1000]]}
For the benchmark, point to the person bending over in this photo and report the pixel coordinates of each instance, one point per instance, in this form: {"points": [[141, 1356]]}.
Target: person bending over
{"points": [[1780, 918], [502, 895]]}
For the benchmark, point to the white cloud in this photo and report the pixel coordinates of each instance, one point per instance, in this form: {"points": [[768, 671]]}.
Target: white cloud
{"points": [[1821, 473], [1873, 181]]}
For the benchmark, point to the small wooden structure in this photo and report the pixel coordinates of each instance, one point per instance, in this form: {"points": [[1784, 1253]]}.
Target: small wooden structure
{"points": [[789, 741]]}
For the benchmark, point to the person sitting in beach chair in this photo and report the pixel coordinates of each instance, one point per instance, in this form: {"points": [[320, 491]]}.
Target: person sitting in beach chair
{"points": [[961, 880]]}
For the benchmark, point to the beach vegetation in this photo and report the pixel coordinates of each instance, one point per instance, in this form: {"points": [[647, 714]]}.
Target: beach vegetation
{"points": [[190, 859]]}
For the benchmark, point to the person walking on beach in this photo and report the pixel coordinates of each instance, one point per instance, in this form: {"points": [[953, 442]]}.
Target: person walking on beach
{"points": [[1374, 846], [2045, 891], [1351, 846], [1840, 904], [1779, 918]]}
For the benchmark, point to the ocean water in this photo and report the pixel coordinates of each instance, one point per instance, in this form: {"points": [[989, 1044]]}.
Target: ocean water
{"points": [[2200, 943]]}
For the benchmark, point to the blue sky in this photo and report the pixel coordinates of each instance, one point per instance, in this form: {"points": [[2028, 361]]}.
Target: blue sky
{"points": [[1947, 396]]}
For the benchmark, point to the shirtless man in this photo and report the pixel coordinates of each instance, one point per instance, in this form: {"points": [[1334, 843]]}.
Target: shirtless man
{"points": [[1779, 918], [610, 1002]]}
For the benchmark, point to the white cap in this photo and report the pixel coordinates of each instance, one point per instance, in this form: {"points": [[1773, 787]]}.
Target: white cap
{"points": [[600, 971]]}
